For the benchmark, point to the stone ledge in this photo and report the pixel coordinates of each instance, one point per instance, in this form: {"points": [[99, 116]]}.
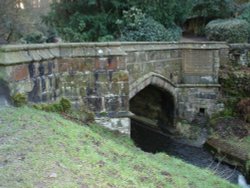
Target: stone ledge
{"points": [[156, 46], [16, 54], [197, 85], [239, 46]]}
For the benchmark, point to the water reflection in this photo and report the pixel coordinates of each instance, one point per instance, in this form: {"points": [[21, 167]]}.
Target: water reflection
{"points": [[154, 142]]}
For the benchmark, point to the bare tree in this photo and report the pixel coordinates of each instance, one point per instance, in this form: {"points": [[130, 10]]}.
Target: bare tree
{"points": [[19, 17]]}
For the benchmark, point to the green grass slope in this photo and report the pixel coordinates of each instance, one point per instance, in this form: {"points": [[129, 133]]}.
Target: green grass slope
{"points": [[39, 149]]}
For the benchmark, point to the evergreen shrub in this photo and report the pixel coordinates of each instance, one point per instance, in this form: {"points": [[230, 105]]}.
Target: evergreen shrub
{"points": [[229, 30], [136, 26]]}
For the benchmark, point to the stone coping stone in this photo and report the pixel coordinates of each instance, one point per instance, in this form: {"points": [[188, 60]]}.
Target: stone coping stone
{"points": [[15, 54], [156, 46], [239, 46], [197, 85]]}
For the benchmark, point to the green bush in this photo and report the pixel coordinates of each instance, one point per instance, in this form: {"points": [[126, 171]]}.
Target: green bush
{"points": [[19, 100], [64, 105], [35, 37], [106, 38], [135, 26], [245, 14], [229, 30], [243, 108]]}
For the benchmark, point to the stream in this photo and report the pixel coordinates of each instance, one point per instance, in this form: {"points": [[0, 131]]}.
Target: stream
{"points": [[154, 142]]}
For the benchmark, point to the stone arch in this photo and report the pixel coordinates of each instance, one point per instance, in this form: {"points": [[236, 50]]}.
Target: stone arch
{"points": [[162, 100], [152, 79]]}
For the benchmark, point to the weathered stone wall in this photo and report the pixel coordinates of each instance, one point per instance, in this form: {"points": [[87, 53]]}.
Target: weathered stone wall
{"points": [[93, 75], [239, 54], [188, 71], [105, 76], [198, 99]]}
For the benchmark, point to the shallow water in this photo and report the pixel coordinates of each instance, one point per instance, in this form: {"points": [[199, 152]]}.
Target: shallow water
{"points": [[3, 101], [154, 142]]}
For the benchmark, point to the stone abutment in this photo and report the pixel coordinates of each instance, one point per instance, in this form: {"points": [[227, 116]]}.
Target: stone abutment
{"points": [[104, 77]]}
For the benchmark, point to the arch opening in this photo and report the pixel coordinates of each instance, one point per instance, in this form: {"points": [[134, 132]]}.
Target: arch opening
{"points": [[155, 106]]}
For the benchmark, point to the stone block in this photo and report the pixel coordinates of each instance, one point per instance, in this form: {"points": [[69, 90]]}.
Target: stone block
{"points": [[199, 62], [83, 91], [63, 65], [95, 103], [101, 63], [20, 72], [35, 55], [158, 55], [130, 58], [141, 57], [119, 88], [120, 76], [193, 79], [121, 63], [118, 124], [88, 65], [65, 51], [124, 106], [175, 54], [14, 57], [45, 54], [78, 52], [55, 52], [112, 63], [112, 103], [52, 67], [166, 54], [101, 76], [147, 68], [103, 88]]}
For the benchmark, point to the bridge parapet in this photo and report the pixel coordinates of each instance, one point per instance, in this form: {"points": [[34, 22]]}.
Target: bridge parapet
{"points": [[104, 76]]}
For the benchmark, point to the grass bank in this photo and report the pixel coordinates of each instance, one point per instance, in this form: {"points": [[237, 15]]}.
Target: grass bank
{"points": [[39, 149], [230, 142]]}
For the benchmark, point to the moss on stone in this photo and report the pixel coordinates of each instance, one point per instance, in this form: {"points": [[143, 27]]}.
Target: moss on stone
{"points": [[121, 76], [19, 99], [63, 105]]}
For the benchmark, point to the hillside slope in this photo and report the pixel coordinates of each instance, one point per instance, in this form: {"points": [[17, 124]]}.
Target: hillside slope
{"points": [[39, 149]]}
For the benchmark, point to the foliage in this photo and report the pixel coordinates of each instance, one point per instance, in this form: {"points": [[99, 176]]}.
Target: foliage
{"points": [[40, 144], [230, 30], [19, 99], [213, 8], [64, 105], [35, 37], [12, 22], [167, 12], [228, 112], [235, 83], [106, 38], [245, 14], [243, 108], [85, 20], [16, 22], [91, 20], [135, 26]]}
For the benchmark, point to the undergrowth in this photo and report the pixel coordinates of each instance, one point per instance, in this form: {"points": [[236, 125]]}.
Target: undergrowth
{"points": [[41, 149]]}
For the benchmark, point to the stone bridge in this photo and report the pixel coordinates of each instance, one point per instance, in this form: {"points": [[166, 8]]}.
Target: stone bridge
{"points": [[106, 77]]}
